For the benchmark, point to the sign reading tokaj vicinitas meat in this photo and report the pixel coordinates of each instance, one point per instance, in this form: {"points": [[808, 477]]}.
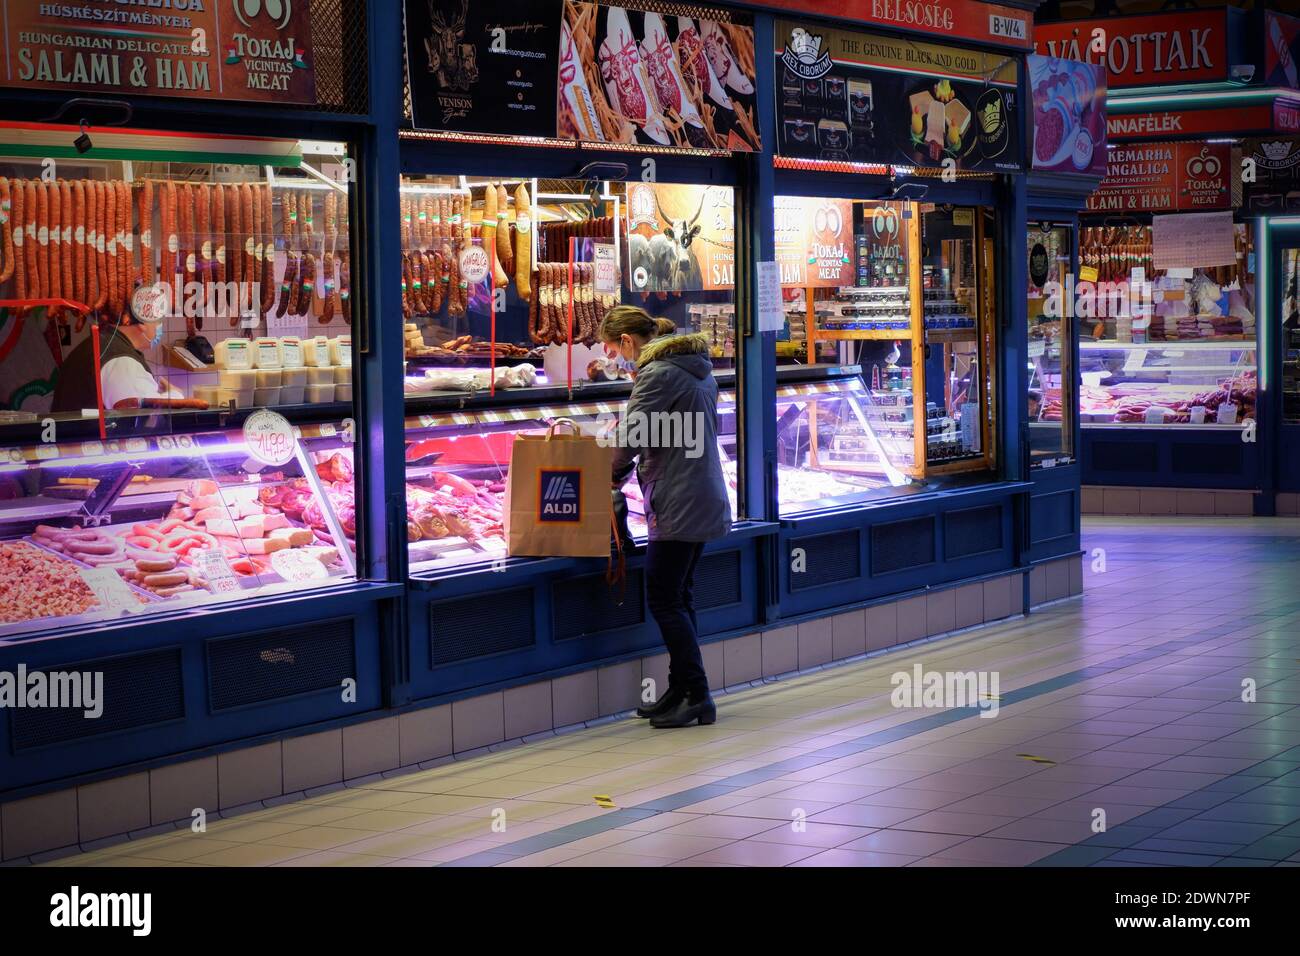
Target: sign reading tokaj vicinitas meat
{"points": [[204, 48]]}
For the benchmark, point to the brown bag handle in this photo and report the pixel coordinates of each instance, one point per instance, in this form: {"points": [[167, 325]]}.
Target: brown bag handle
{"points": [[550, 432], [616, 574]]}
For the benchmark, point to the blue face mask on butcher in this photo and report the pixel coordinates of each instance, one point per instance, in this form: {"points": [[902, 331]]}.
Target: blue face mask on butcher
{"points": [[157, 335]]}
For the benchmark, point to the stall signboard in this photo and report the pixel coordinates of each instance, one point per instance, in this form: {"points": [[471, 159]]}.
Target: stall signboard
{"points": [[680, 238], [223, 51], [859, 97], [1069, 115], [1166, 177], [1281, 49], [969, 20], [1148, 50], [814, 241], [1217, 121], [483, 67], [1274, 181], [638, 77]]}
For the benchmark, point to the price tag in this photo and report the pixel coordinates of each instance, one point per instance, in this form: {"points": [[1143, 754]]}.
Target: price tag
{"points": [[1135, 359], [213, 567], [1227, 414], [46, 452], [110, 590], [326, 430], [1155, 415], [293, 564], [1036, 348], [427, 421], [473, 262], [269, 437], [1197, 413], [771, 313], [91, 449], [1088, 274], [606, 268]]}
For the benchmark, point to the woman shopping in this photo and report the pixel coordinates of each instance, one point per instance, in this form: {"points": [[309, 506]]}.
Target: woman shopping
{"points": [[669, 431]]}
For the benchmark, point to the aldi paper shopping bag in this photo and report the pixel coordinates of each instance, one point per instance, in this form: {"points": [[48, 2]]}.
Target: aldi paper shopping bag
{"points": [[557, 495]]}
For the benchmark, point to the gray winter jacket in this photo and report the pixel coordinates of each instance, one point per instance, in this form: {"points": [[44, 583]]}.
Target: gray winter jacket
{"points": [[671, 426]]}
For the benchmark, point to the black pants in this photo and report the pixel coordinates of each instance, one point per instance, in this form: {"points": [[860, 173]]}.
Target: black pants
{"points": [[670, 579]]}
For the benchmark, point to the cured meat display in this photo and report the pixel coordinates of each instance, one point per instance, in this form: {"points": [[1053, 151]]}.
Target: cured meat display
{"points": [[166, 535]]}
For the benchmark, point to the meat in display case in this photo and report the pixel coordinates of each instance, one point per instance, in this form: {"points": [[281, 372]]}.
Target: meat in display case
{"points": [[457, 464], [505, 282], [1190, 383], [91, 531]]}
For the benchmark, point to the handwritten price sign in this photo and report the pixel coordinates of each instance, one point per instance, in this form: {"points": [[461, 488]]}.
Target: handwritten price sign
{"points": [[269, 437]]}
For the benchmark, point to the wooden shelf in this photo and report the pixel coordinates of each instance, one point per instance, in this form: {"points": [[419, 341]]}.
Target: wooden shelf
{"points": [[952, 335]]}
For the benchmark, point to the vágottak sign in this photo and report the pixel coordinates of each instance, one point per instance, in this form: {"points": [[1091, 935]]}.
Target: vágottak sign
{"points": [[218, 49], [1189, 47]]}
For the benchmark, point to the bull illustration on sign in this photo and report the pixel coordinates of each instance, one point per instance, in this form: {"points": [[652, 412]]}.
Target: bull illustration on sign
{"points": [[454, 63], [665, 262]]}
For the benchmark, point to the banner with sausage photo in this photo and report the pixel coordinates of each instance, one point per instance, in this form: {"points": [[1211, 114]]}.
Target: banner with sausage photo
{"points": [[627, 76], [680, 238]]}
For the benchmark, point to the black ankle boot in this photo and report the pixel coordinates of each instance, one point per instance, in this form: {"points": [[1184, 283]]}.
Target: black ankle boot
{"points": [[687, 711], [664, 704]]}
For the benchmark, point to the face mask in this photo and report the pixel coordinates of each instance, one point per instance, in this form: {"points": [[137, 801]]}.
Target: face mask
{"points": [[157, 335]]}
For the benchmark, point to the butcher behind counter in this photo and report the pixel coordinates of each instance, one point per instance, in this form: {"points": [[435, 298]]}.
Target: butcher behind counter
{"points": [[126, 378]]}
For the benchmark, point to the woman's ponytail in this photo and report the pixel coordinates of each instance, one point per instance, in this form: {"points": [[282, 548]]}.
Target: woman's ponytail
{"points": [[631, 320]]}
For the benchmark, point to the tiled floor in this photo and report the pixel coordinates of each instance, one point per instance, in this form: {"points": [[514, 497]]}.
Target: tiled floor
{"points": [[1127, 705]]}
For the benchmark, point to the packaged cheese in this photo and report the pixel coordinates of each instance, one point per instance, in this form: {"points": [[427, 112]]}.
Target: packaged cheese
{"points": [[266, 352], [293, 377], [234, 353], [252, 545], [266, 397], [291, 352], [268, 378], [320, 376], [316, 351], [292, 394], [342, 393], [342, 375], [341, 350], [238, 379], [297, 537], [320, 393], [208, 393]]}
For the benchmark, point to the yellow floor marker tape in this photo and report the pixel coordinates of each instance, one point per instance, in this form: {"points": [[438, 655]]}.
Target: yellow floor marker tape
{"points": [[1038, 759], [603, 801]]}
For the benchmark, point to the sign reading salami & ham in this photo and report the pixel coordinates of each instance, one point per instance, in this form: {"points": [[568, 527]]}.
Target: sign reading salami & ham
{"points": [[217, 50], [1166, 177]]}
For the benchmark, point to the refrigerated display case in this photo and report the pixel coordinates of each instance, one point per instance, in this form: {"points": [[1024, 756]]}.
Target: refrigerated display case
{"points": [[95, 531], [1051, 338], [916, 317], [1201, 384]]}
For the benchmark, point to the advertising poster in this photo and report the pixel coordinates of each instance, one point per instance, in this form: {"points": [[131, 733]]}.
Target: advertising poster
{"points": [[627, 76], [680, 238], [1281, 47], [814, 241], [225, 51], [1277, 174], [1177, 47], [483, 67], [858, 97], [1166, 177], [1069, 115]]}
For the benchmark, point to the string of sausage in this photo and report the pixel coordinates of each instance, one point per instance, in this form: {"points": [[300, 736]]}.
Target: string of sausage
{"points": [[126, 252], [318, 291], [42, 243], [19, 230], [248, 241], [234, 251], [219, 253], [307, 272], [6, 232], [345, 261], [147, 275], [55, 247], [202, 250], [95, 190], [79, 256], [288, 284], [331, 238], [405, 226], [262, 200], [67, 252], [112, 242], [186, 233]]}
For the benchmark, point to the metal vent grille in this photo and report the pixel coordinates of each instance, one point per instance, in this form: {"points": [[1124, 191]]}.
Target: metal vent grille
{"points": [[587, 605], [1051, 516], [717, 580], [1189, 458], [287, 662], [139, 690], [972, 531], [1125, 456], [339, 44], [826, 559], [481, 625], [899, 545]]}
